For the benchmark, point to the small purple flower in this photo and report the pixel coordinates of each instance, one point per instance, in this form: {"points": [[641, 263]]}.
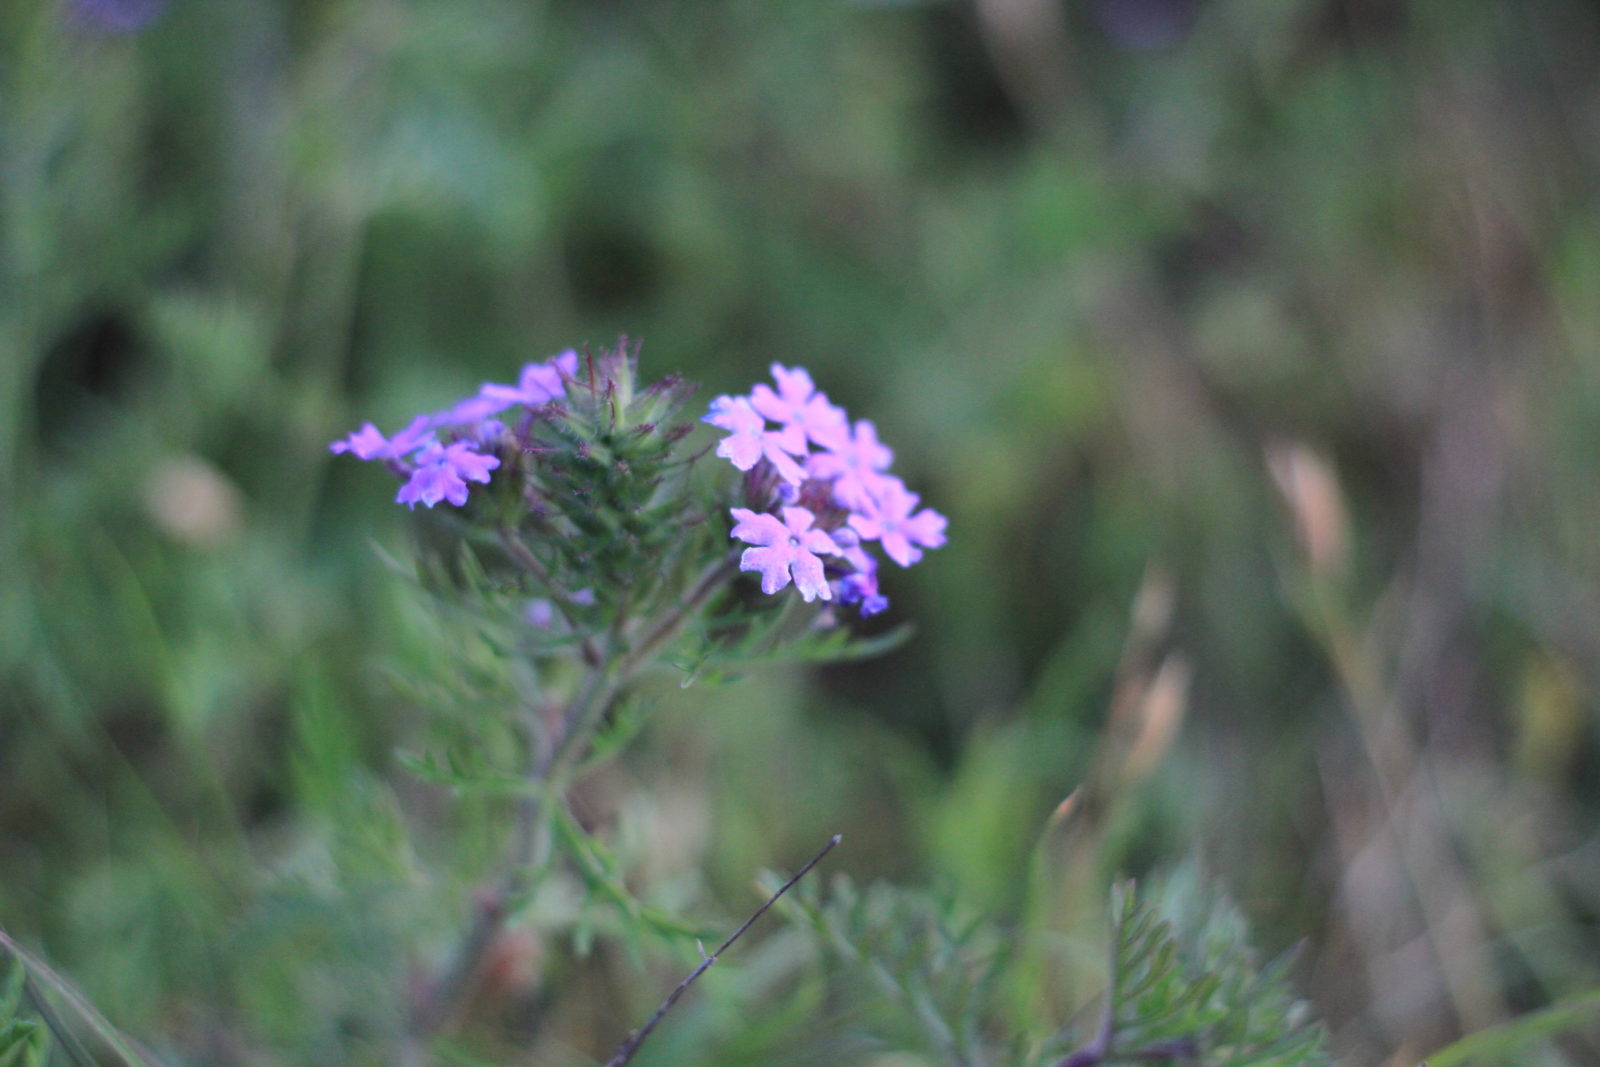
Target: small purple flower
{"points": [[848, 543], [540, 614], [798, 408], [368, 443], [539, 383], [484, 435], [861, 588], [890, 521], [789, 547], [749, 440], [474, 408], [861, 585], [854, 462], [442, 473]]}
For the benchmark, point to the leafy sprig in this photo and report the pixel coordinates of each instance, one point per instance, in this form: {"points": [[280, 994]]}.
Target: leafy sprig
{"points": [[935, 964], [1184, 987]]}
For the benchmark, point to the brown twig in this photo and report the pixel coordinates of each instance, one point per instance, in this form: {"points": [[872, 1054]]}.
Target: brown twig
{"points": [[626, 1050]]}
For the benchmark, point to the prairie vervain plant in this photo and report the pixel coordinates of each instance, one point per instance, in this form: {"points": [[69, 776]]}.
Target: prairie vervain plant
{"points": [[570, 508]]}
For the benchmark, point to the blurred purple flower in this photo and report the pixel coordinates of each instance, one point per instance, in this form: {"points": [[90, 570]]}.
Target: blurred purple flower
{"points": [[854, 461], [484, 435], [541, 613], [1142, 24], [442, 473], [473, 409], [539, 383], [890, 521], [368, 443], [797, 408], [116, 16], [782, 549], [861, 585], [848, 543], [749, 439], [861, 588]]}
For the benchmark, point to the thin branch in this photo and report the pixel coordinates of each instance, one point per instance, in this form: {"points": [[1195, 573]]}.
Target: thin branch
{"points": [[625, 1052]]}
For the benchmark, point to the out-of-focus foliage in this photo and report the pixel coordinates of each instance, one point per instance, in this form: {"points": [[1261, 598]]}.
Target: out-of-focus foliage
{"points": [[24, 1041], [1183, 983], [935, 969], [1292, 301], [1184, 979]]}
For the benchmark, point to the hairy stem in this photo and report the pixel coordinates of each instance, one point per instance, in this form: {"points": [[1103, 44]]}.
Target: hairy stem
{"points": [[441, 1002], [604, 683]]}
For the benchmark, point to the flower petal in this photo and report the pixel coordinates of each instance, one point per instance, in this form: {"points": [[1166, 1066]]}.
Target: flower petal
{"points": [[818, 542], [773, 563], [897, 548], [795, 386], [866, 525], [787, 468], [809, 578], [926, 528], [798, 520], [742, 450], [758, 528], [769, 404]]}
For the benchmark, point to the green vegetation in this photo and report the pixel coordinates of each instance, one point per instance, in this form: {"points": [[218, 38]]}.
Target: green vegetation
{"points": [[1252, 349]]}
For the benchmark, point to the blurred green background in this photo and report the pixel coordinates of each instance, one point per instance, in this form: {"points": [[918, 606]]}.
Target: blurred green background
{"points": [[1285, 312]]}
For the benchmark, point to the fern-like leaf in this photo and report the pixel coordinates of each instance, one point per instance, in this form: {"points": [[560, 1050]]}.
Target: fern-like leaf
{"points": [[1185, 988]]}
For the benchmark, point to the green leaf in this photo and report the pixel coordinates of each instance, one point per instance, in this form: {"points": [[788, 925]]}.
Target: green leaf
{"points": [[934, 967], [459, 777], [1184, 976], [604, 879], [66, 1011], [1498, 1042]]}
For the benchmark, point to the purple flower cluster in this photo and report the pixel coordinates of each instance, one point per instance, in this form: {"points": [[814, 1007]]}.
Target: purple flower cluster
{"points": [[823, 506], [438, 470]]}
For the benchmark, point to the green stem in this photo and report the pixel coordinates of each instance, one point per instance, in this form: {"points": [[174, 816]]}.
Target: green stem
{"points": [[601, 688], [585, 715]]}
